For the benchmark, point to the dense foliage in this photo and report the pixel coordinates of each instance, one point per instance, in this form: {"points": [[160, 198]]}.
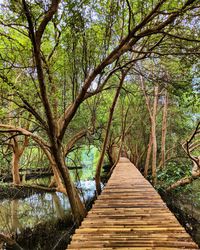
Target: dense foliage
{"points": [[122, 76]]}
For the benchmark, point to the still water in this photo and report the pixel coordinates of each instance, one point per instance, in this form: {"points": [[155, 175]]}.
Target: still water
{"points": [[40, 215], [18, 214], [41, 220]]}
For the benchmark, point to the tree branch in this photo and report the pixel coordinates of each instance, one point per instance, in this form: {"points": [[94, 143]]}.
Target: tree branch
{"points": [[125, 45], [27, 105], [36, 42], [74, 139], [47, 18]]}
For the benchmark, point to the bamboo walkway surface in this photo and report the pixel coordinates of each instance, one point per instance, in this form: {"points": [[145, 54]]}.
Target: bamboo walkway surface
{"points": [[129, 214]]}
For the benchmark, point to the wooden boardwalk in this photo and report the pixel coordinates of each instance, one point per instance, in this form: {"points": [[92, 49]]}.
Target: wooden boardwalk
{"points": [[129, 214]]}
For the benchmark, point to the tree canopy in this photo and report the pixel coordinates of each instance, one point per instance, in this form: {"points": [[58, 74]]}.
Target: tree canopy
{"points": [[69, 67]]}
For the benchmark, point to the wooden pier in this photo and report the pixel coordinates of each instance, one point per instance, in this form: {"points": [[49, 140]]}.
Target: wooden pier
{"points": [[130, 214]]}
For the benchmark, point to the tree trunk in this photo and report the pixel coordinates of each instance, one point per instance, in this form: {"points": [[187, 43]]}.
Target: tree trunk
{"points": [[77, 206], [147, 101], [154, 141], [17, 153], [147, 162], [101, 158], [154, 152], [164, 130], [57, 181], [15, 168], [188, 179], [55, 133], [113, 152]]}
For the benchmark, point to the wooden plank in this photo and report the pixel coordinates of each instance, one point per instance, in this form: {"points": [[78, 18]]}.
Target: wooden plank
{"points": [[126, 248], [129, 214]]}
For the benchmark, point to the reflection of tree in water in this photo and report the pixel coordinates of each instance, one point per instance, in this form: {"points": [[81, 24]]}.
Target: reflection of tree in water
{"points": [[19, 214], [39, 208], [15, 224], [58, 207], [5, 215], [33, 220]]}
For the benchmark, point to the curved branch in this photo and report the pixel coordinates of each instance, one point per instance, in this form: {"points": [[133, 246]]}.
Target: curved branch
{"points": [[22, 131], [47, 18], [74, 139]]}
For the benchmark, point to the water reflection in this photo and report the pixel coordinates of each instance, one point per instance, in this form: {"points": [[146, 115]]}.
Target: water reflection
{"points": [[19, 214], [15, 223]]}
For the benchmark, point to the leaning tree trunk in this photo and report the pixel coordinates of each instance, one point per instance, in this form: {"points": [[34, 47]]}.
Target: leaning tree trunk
{"points": [[56, 180], [101, 158], [77, 206], [113, 152], [189, 146]]}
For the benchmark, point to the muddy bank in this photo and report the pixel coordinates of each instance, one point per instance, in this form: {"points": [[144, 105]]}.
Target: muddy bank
{"points": [[10, 191], [29, 174]]}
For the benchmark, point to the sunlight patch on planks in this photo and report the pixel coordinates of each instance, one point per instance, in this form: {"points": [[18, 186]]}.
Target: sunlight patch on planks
{"points": [[129, 214]]}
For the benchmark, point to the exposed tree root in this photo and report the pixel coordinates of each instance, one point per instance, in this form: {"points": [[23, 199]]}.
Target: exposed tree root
{"points": [[182, 182], [10, 242], [42, 188]]}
